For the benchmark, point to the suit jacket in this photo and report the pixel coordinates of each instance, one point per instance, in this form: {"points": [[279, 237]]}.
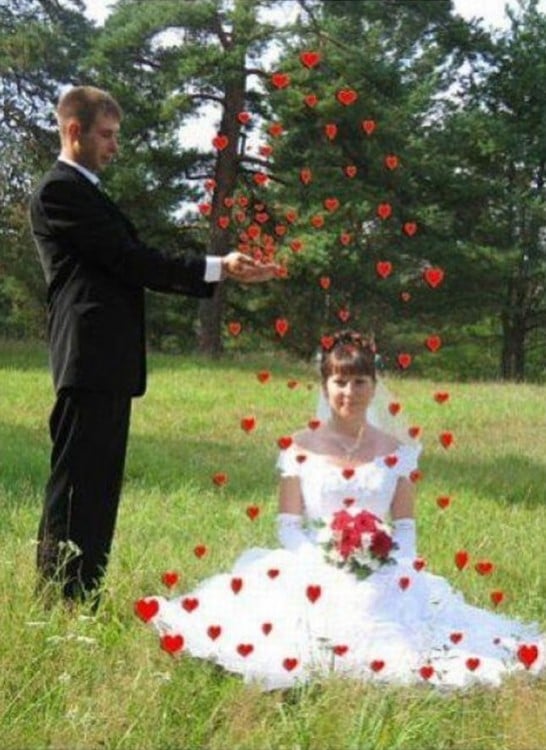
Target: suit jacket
{"points": [[96, 269]]}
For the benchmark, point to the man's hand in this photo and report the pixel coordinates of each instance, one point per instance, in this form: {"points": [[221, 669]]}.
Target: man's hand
{"points": [[240, 267]]}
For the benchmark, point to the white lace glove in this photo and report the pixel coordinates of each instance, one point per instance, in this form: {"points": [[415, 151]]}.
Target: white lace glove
{"points": [[405, 537], [290, 532]]}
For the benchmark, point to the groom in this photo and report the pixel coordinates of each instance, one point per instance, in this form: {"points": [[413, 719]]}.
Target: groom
{"points": [[96, 269]]}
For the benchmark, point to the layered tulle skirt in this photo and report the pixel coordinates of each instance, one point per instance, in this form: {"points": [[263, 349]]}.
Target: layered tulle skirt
{"points": [[280, 618]]}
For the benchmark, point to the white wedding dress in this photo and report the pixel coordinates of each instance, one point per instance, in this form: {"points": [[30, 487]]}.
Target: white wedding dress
{"points": [[280, 617]]}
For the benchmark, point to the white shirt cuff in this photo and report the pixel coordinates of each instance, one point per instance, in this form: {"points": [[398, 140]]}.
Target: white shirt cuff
{"points": [[213, 268]]}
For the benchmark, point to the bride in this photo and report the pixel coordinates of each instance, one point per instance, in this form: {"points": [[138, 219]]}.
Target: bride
{"points": [[281, 617]]}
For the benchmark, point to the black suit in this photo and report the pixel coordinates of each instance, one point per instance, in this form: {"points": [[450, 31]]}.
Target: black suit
{"points": [[96, 270]]}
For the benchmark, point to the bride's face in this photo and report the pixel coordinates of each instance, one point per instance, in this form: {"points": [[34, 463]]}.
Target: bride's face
{"points": [[349, 395]]}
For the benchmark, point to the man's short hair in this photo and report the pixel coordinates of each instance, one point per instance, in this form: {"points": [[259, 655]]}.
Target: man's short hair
{"points": [[84, 103]]}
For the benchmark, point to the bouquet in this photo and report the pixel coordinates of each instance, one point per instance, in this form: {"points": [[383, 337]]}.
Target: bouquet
{"points": [[358, 541]]}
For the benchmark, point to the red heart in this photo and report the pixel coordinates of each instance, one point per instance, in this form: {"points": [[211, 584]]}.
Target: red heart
{"points": [[254, 231], [261, 217], [273, 572], [461, 559], [348, 473], [497, 597], [170, 578], [383, 268], [281, 326], [404, 360], [291, 216], [263, 376], [306, 175], [345, 238], [190, 603], [253, 511], [172, 643], [348, 501], [414, 431], [260, 178], [220, 141], [284, 442], [350, 170], [314, 424], [426, 672], [409, 228], [391, 161], [234, 328], [311, 100], [394, 408], [200, 550], [368, 126], [290, 664], [340, 650], [343, 315], [527, 654], [433, 276], [327, 342], [242, 200], [244, 649], [446, 439], [276, 129], [405, 296], [330, 130], [441, 397], [223, 222], [204, 209], [416, 475], [146, 609], [244, 117], [346, 97], [248, 423], [443, 501], [391, 461], [296, 245], [456, 637], [472, 663], [229, 202], [377, 665], [267, 627], [325, 282], [484, 567], [310, 59], [331, 204], [265, 150], [384, 210], [280, 80], [214, 632], [419, 563], [433, 343], [404, 582], [236, 585], [313, 593], [301, 457], [210, 185], [280, 230], [317, 221]]}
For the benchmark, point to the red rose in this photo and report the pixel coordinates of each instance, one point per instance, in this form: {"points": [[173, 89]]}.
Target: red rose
{"points": [[381, 544], [365, 522], [341, 520]]}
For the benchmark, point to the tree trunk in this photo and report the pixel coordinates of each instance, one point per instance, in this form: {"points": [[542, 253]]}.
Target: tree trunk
{"points": [[514, 332], [225, 176]]}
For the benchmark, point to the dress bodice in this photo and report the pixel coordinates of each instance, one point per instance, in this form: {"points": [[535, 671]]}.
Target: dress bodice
{"points": [[327, 487]]}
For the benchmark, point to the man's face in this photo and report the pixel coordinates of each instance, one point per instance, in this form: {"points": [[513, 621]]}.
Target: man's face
{"points": [[96, 148]]}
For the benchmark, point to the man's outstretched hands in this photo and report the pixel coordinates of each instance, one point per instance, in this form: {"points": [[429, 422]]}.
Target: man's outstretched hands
{"points": [[240, 267]]}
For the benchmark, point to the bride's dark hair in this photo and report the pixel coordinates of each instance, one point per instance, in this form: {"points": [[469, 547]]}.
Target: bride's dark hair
{"points": [[350, 353]]}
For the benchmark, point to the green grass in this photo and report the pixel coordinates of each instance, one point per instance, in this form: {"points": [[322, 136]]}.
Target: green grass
{"points": [[71, 681]]}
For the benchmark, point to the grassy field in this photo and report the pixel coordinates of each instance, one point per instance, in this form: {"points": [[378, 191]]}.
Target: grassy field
{"points": [[75, 681]]}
